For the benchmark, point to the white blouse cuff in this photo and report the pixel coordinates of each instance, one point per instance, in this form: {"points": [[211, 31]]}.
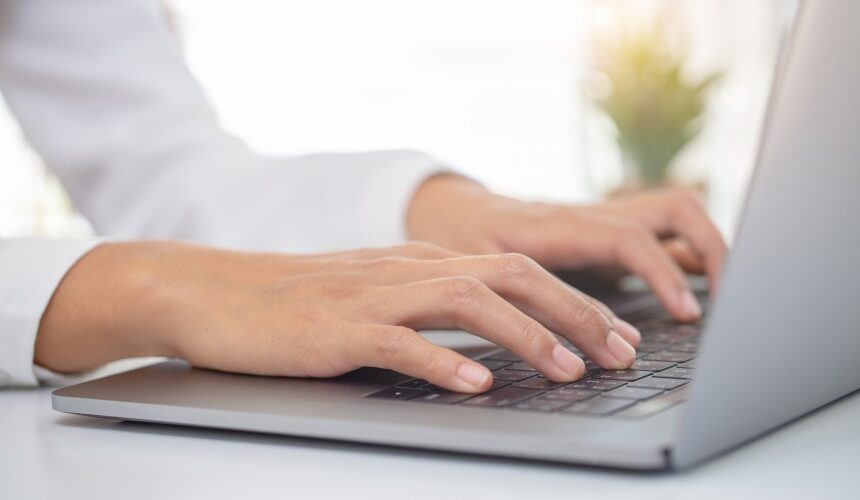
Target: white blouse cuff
{"points": [[31, 269]]}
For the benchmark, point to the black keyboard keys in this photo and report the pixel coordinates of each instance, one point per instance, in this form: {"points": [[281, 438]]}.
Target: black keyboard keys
{"points": [[413, 383], [622, 375], [596, 384], [541, 403], [512, 375], [539, 383], [398, 393], [443, 397], [503, 397], [571, 395], [672, 356], [651, 366], [665, 384], [493, 364], [637, 393], [682, 373], [599, 406]]}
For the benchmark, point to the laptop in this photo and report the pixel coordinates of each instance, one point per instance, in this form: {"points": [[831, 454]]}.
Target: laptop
{"points": [[782, 338]]}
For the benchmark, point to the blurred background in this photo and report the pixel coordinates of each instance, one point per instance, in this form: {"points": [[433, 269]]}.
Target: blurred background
{"points": [[567, 100]]}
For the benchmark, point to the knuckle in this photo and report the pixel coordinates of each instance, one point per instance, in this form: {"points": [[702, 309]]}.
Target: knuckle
{"points": [[392, 343], [422, 247], [586, 314], [686, 199], [531, 332], [438, 364], [632, 236], [516, 265], [464, 290]]}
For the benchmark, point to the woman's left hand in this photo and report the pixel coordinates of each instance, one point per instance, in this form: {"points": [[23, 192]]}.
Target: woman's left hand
{"points": [[658, 235]]}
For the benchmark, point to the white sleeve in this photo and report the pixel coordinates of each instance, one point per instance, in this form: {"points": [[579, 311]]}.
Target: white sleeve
{"points": [[103, 94], [30, 270]]}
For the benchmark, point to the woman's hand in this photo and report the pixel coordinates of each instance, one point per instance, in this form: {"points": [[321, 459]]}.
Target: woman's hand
{"points": [[322, 316], [656, 235]]}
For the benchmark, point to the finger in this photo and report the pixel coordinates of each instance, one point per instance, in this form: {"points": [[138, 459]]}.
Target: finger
{"points": [[679, 213], [639, 250], [629, 332], [402, 349], [545, 298], [684, 256], [689, 219], [466, 303]]}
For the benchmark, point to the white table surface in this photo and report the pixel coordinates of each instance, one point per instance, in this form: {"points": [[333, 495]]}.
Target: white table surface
{"points": [[45, 454]]}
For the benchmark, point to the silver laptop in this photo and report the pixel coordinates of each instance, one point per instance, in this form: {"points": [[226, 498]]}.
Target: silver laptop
{"points": [[781, 340]]}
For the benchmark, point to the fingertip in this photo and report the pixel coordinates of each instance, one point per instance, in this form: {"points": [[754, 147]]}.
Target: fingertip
{"points": [[473, 377], [621, 350], [569, 363], [689, 306]]}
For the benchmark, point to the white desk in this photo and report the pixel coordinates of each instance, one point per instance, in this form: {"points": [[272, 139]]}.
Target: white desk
{"points": [[45, 454]]}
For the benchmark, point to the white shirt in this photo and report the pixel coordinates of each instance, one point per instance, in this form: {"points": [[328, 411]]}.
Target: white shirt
{"points": [[102, 93]]}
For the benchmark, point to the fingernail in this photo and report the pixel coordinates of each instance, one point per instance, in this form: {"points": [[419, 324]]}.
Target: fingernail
{"points": [[690, 305], [472, 375], [567, 361], [629, 332], [620, 349]]}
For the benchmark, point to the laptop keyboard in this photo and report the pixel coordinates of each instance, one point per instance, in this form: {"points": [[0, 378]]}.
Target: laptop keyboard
{"points": [[665, 364]]}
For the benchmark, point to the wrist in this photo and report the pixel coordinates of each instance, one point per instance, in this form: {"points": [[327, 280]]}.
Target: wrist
{"points": [[102, 310], [452, 211]]}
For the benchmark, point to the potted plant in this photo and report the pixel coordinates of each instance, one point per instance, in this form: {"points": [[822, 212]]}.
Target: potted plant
{"points": [[655, 106]]}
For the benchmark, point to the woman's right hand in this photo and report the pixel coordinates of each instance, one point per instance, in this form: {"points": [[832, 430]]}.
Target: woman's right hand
{"points": [[322, 315]]}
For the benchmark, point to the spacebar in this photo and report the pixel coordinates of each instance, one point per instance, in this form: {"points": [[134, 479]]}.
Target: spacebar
{"points": [[652, 406]]}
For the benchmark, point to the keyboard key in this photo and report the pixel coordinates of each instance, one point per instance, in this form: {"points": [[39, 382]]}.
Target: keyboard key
{"points": [[655, 405], [496, 384], [665, 384], [539, 383], [504, 355], [622, 375], [651, 346], [689, 346], [398, 393], [689, 364], [673, 356], [413, 383], [595, 384], [522, 366], [503, 397], [686, 329], [512, 375], [651, 366], [638, 393], [493, 364], [599, 406], [567, 394], [443, 397], [682, 373], [669, 337], [542, 404]]}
